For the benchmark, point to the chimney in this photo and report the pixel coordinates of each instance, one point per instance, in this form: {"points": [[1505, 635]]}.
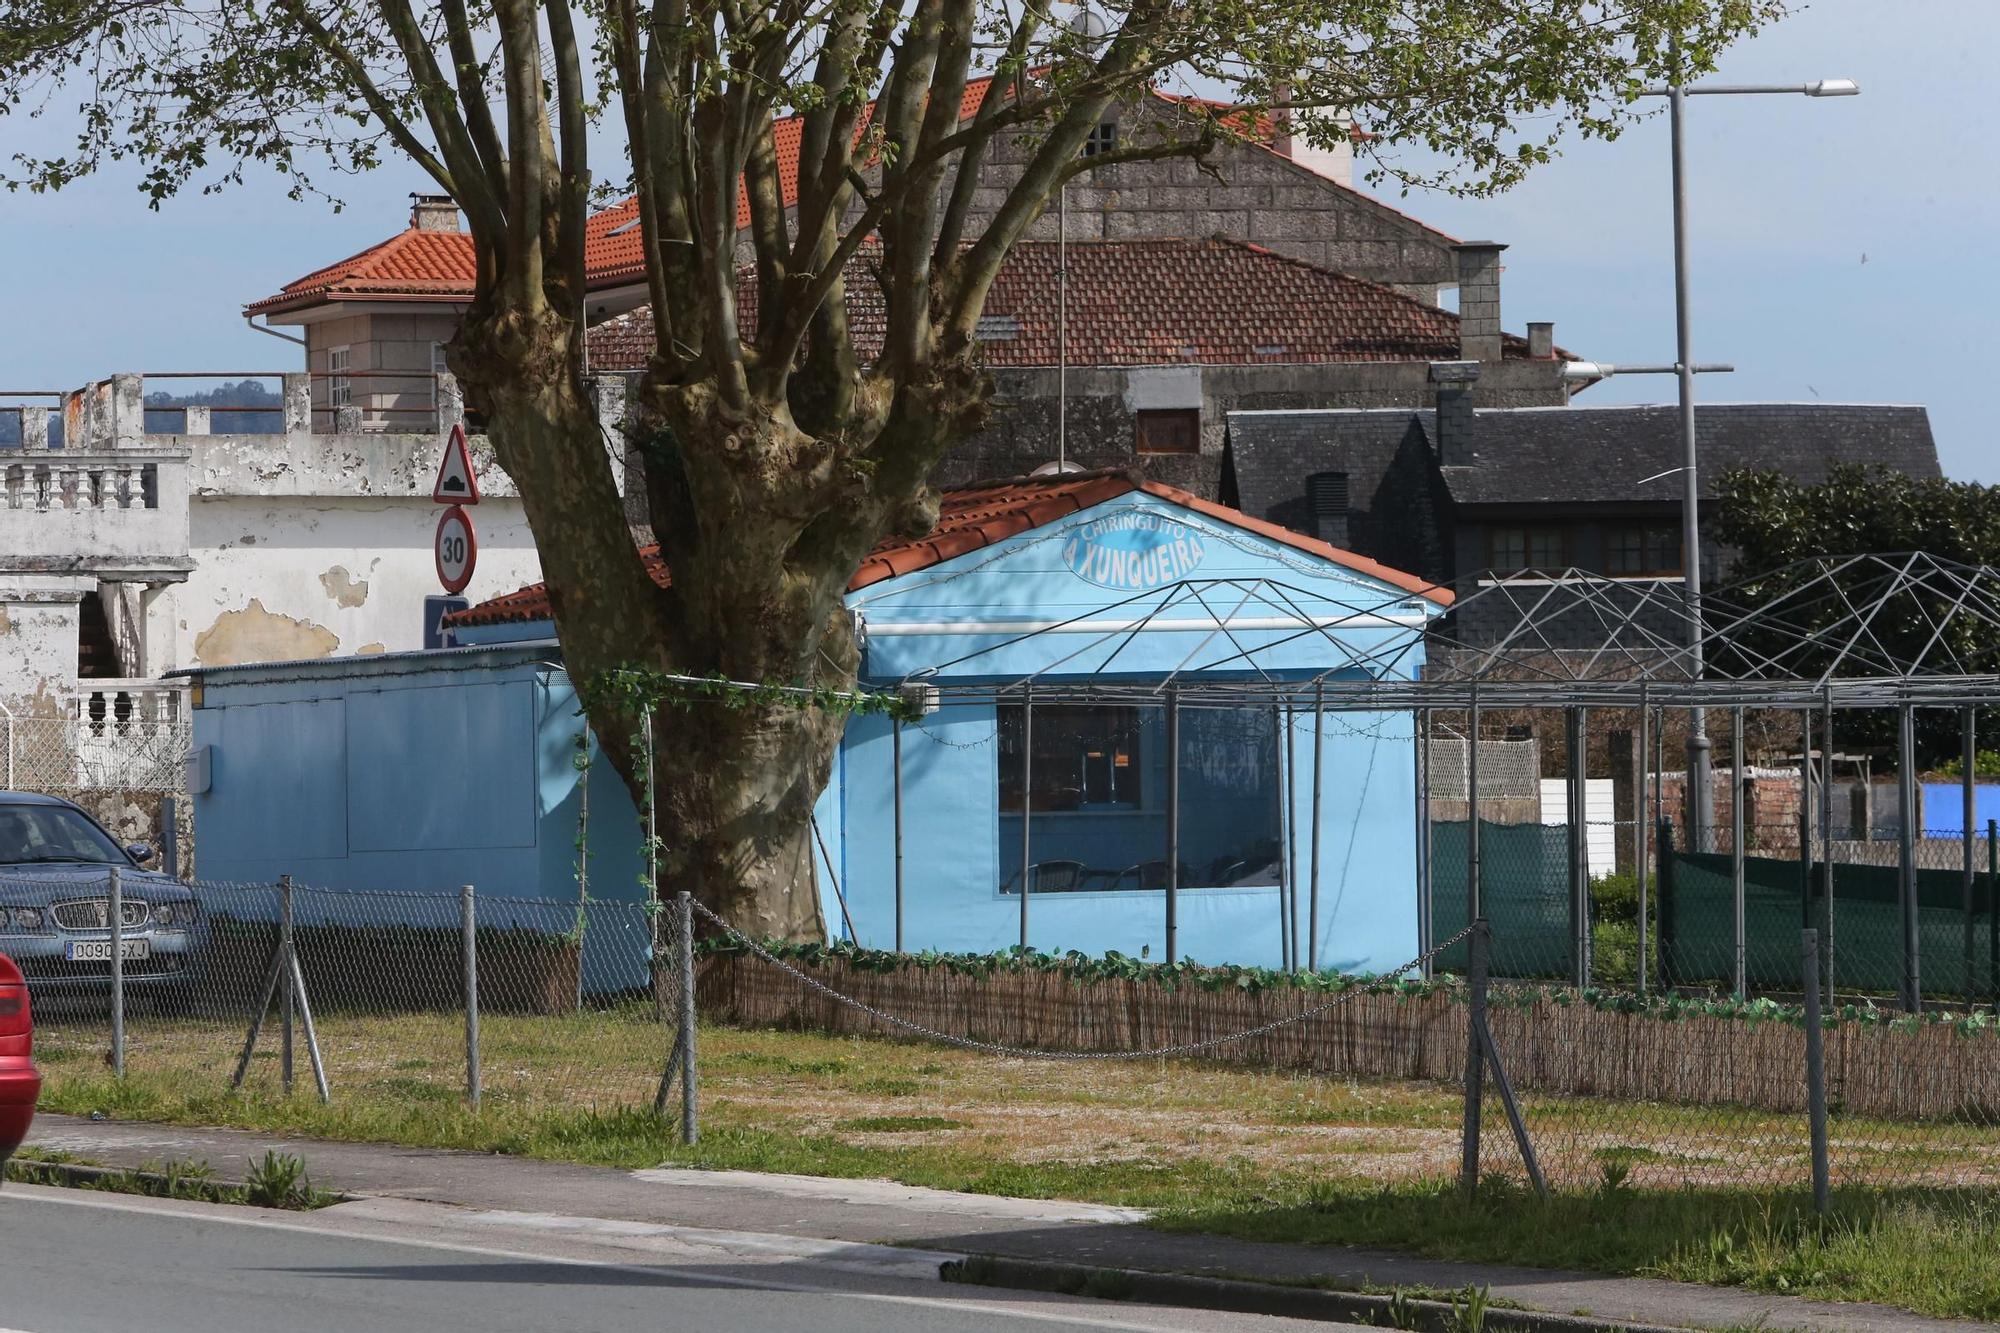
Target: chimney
{"points": [[433, 212], [1542, 341], [1326, 493], [1455, 420], [1479, 300]]}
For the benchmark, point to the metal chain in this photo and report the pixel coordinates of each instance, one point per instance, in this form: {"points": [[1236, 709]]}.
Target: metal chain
{"points": [[1030, 1053]]}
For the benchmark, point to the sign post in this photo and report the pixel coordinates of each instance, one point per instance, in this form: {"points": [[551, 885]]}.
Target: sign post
{"points": [[457, 547]]}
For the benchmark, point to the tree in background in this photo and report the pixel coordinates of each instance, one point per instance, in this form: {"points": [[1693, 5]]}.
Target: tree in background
{"points": [[1779, 529], [778, 452]]}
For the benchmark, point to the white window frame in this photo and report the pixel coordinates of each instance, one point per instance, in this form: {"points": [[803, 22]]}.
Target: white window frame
{"points": [[339, 390]]}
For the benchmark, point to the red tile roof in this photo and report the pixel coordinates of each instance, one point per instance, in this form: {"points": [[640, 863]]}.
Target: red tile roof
{"points": [[985, 515], [1143, 303], [439, 265]]}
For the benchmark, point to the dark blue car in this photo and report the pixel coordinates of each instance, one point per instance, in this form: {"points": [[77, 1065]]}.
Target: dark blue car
{"points": [[55, 920]]}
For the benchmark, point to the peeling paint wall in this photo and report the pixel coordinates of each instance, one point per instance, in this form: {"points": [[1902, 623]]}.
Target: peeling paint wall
{"points": [[326, 575], [38, 640]]}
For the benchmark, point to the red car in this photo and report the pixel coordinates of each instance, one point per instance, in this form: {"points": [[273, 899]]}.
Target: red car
{"points": [[19, 1083]]}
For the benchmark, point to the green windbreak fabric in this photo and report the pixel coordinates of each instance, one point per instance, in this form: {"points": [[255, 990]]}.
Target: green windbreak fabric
{"points": [[1523, 888], [1697, 925]]}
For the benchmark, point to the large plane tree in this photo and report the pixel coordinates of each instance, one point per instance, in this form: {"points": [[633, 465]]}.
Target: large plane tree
{"points": [[777, 453]]}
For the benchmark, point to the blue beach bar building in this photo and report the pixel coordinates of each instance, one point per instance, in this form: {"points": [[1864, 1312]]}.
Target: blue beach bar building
{"points": [[1118, 683]]}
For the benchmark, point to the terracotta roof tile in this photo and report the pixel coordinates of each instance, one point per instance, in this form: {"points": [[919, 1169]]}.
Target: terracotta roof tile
{"points": [[440, 265], [987, 514], [1142, 302]]}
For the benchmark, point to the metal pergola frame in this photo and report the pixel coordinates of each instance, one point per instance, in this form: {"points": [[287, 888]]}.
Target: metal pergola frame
{"points": [[1812, 638]]}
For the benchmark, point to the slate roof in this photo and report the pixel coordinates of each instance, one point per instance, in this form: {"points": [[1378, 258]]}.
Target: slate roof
{"points": [[985, 515], [1392, 486], [1568, 455], [1599, 454], [440, 265], [1142, 302]]}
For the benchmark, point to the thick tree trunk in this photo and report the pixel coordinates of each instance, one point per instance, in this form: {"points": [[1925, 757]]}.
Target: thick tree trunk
{"points": [[736, 791]]}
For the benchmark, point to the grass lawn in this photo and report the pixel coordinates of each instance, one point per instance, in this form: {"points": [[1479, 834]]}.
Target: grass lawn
{"points": [[1697, 1193]]}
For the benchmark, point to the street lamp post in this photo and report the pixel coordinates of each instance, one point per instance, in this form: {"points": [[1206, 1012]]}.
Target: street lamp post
{"points": [[1700, 779]]}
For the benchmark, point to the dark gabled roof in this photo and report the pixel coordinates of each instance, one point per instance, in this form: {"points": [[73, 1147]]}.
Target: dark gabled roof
{"points": [[1385, 455], [1599, 455]]}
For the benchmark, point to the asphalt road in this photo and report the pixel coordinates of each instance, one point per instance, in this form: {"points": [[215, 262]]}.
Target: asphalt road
{"points": [[76, 1262]]}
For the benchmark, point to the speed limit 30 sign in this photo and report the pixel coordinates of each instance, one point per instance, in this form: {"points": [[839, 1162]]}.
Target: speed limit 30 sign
{"points": [[456, 549]]}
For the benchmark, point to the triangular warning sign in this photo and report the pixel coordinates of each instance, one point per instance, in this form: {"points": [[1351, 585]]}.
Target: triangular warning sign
{"points": [[455, 484]]}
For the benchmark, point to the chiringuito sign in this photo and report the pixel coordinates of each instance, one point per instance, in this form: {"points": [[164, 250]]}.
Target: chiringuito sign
{"points": [[1133, 551]]}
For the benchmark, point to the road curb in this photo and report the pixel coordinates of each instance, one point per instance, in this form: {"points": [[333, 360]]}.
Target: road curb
{"points": [[1192, 1291]]}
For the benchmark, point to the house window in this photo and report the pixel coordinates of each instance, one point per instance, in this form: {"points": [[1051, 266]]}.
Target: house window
{"points": [[1084, 759], [1103, 138], [338, 393], [1642, 548], [1097, 780], [1173, 431], [1527, 548]]}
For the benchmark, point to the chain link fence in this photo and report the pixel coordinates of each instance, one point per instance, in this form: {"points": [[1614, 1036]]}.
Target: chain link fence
{"points": [[276, 987], [418, 1004]]}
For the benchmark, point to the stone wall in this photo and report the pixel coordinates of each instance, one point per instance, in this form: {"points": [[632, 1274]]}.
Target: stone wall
{"points": [[1246, 191]]}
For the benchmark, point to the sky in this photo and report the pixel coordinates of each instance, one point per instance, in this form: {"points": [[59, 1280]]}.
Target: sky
{"points": [[1838, 245]]}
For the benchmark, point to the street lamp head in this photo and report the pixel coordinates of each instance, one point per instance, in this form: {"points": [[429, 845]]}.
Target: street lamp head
{"points": [[1834, 88]]}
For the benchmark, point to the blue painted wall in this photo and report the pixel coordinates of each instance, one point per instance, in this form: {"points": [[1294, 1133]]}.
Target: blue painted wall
{"points": [[425, 771], [1023, 607], [1944, 807], [418, 772]]}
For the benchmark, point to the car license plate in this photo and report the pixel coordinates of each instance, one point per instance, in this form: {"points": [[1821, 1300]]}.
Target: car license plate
{"points": [[99, 951]]}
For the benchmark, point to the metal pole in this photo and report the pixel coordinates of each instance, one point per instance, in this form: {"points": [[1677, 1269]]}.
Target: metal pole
{"points": [[1826, 975], [1062, 334], [468, 927], [690, 1127], [1700, 781], [1736, 838], [1425, 893], [1579, 911], [1027, 800], [117, 914], [1292, 832], [1815, 1068], [287, 1002], [896, 759], [1906, 799], [1968, 761], [1642, 812], [652, 843], [1475, 1054], [1319, 749], [1473, 907], [1993, 910], [306, 1021], [1805, 817], [1173, 928], [1285, 921]]}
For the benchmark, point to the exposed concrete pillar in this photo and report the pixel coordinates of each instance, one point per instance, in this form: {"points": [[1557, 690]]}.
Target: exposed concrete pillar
{"points": [[347, 420], [450, 402], [298, 403], [196, 421], [128, 411], [34, 428]]}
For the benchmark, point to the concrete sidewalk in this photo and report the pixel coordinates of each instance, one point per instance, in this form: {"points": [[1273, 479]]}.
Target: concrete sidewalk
{"points": [[880, 1211]]}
